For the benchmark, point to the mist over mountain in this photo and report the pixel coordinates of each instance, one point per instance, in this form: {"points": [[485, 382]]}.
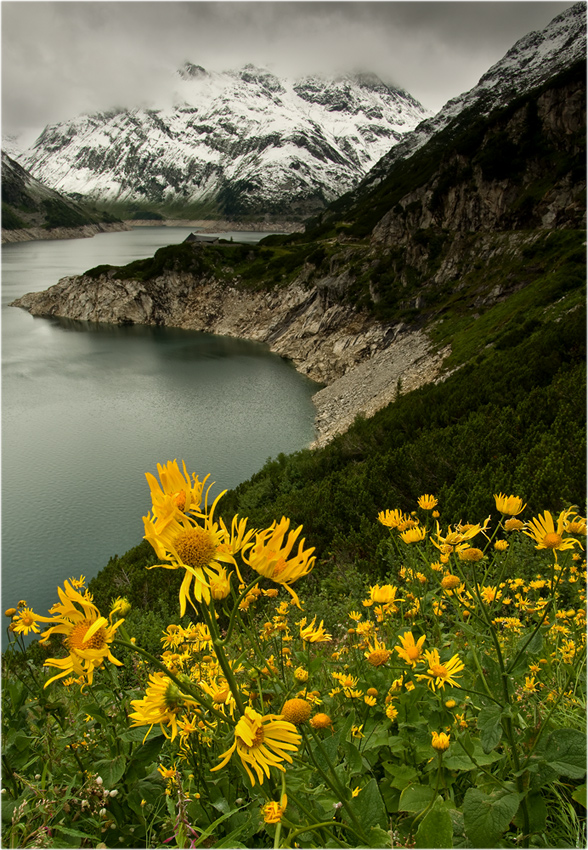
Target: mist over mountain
{"points": [[238, 143]]}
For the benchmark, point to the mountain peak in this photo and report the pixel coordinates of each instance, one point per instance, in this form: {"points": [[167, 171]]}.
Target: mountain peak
{"points": [[188, 71]]}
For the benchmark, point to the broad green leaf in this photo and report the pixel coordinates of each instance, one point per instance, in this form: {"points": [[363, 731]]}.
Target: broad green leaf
{"points": [[379, 837], [490, 726], [487, 816], [325, 754], [353, 757], [536, 811], [565, 752], [456, 759], [402, 775], [579, 795], [110, 770], [415, 798], [369, 806], [436, 828]]}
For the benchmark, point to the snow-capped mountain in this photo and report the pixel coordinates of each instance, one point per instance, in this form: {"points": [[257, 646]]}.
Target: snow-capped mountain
{"points": [[237, 142], [534, 59]]}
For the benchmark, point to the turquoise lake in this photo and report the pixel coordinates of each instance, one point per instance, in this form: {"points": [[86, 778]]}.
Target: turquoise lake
{"points": [[88, 408]]}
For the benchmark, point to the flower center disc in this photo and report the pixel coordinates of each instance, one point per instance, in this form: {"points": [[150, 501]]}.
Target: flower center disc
{"points": [[257, 739], [439, 670], [195, 547], [552, 540], [76, 639]]}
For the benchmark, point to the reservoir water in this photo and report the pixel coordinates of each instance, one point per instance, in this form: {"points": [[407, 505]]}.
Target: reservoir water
{"points": [[88, 408]]}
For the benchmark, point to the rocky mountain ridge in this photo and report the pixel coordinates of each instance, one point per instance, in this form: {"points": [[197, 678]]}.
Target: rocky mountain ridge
{"points": [[31, 210], [532, 60], [238, 143]]}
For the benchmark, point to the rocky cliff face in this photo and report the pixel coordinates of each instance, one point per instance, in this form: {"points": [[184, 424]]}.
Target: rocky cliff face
{"points": [[497, 188]]}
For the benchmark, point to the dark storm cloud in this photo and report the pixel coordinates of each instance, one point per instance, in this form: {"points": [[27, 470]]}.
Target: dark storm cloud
{"points": [[63, 58]]}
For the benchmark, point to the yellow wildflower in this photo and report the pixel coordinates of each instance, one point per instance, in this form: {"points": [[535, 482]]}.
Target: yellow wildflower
{"points": [[262, 742], [427, 503], [410, 651], [511, 505], [271, 556], [440, 741], [272, 812], [547, 535], [310, 634]]}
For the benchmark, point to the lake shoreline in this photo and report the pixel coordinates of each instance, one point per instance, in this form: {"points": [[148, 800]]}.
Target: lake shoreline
{"points": [[33, 234]]}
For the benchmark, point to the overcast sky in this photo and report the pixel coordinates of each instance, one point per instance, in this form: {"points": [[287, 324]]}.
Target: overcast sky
{"points": [[60, 59]]}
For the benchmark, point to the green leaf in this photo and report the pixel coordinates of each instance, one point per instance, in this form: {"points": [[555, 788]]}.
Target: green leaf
{"points": [[369, 806], [111, 770], [436, 828], [325, 754], [456, 759], [209, 830], [402, 775], [490, 726], [487, 816], [579, 795], [353, 757], [565, 752], [97, 713], [378, 837], [536, 810], [415, 798]]}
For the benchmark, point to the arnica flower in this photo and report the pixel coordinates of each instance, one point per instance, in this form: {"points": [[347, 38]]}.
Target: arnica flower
{"points": [[427, 503], [490, 594], [501, 545], [414, 535], [271, 556], [440, 741], [511, 505], [198, 549], [296, 711], [301, 675], [377, 654], [391, 712], [458, 539], [438, 675], [410, 651], [177, 492], [310, 634], [391, 519], [577, 525], [514, 524], [262, 742], [161, 704], [86, 635], [449, 582], [384, 595], [547, 535], [272, 812], [120, 607], [10, 612], [470, 554], [24, 622], [321, 721]]}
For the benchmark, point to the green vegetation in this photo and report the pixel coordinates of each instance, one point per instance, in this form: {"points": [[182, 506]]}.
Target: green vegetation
{"points": [[10, 220], [59, 214]]}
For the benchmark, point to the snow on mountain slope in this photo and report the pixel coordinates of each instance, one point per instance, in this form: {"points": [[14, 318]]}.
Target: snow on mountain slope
{"points": [[532, 60], [241, 141]]}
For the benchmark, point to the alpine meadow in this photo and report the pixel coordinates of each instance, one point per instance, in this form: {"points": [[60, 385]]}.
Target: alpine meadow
{"points": [[378, 640]]}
